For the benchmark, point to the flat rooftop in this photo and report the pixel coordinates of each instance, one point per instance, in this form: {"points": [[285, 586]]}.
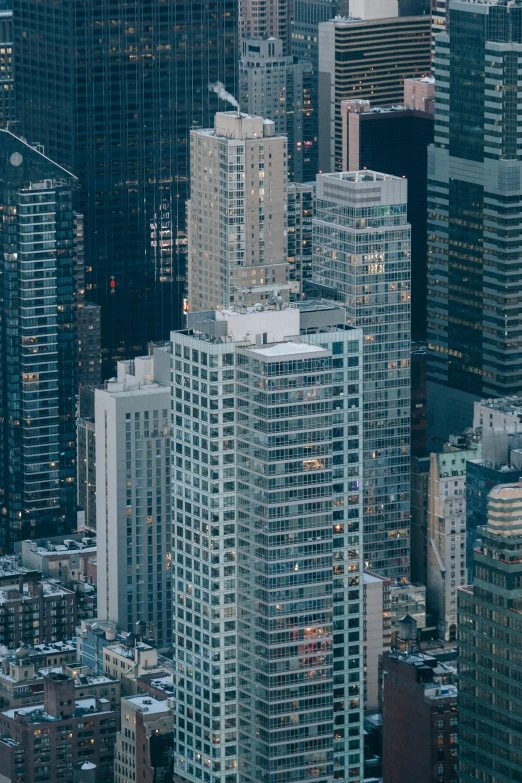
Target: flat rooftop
{"points": [[288, 349], [364, 175], [148, 704], [35, 713]]}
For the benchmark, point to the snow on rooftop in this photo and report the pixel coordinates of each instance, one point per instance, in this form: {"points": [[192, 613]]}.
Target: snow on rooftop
{"points": [[288, 349], [37, 710], [148, 704]]}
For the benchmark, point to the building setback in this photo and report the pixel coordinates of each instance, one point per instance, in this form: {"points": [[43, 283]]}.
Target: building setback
{"points": [[362, 259], [474, 214], [266, 19], [133, 496], [127, 140]]}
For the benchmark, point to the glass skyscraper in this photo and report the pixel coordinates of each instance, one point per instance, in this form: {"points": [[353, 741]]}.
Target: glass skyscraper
{"points": [[37, 344], [112, 89], [490, 647], [6, 64], [361, 258], [267, 566], [475, 214]]}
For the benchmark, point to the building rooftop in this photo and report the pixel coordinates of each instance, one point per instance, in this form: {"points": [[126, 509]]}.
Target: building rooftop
{"points": [[165, 684], [509, 405], [50, 549], [364, 175], [11, 567], [49, 587], [148, 704], [35, 713], [287, 349]]}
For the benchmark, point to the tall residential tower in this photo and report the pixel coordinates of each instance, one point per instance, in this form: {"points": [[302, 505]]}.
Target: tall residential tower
{"points": [[362, 259], [237, 221], [37, 344], [267, 545]]}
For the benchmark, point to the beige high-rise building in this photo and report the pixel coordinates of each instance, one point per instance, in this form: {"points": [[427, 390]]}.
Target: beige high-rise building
{"points": [[237, 214], [265, 19]]}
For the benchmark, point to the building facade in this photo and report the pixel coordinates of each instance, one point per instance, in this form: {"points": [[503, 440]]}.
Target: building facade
{"points": [[473, 310], [490, 639], [133, 496], [86, 458], [146, 723], [265, 497], [305, 25], [500, 462], [362, 259], [446, 532], [377, 636], [127, 141], [266, 19], [394, 140], [366, 58], [7, 114], [36, 613], [88, 327], [37, 344], [237, 221], [281, 88], [300, 202], [419, 719], [42, 742], [420, 471]]}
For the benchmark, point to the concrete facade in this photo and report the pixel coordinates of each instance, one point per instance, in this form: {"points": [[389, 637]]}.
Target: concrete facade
{"points": [[133, 496]]}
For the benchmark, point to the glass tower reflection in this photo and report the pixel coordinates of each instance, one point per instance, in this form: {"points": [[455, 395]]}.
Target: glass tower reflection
{"points": [[111, 91]]}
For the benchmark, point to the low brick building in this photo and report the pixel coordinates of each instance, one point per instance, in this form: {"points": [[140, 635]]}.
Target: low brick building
{"points": [[42, 743], [22, 683], [144, 744], [36, 613], [419, 719]]}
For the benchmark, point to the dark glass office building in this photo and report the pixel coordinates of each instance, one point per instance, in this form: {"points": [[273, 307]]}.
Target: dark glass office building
{"points": [[395, 140], [112, 89], [481, 477], [37, 344], [475, 214], [490, 648]]}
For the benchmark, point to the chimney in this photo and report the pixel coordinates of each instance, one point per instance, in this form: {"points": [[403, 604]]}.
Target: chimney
{"points": [[59, 695]]}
